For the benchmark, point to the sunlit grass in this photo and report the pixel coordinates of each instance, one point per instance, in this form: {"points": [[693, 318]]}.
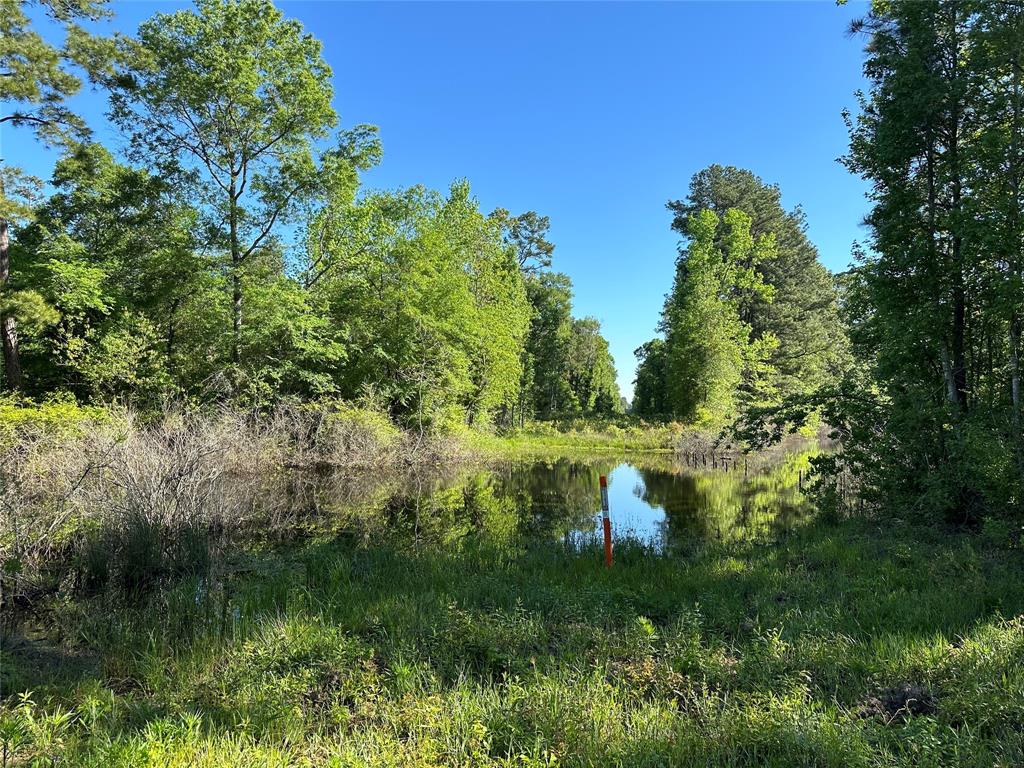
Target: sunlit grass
{"points": [[490, 649], [613, 433]]}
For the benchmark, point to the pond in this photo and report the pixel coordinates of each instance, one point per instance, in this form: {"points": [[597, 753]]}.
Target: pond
{"points": [[653, 500]]}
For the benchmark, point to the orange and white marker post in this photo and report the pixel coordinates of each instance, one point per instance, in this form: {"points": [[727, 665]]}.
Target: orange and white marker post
{"points": [[607, 523]]}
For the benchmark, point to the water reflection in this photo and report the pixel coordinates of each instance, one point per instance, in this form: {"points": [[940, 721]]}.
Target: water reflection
{"points": [[652, 499]]}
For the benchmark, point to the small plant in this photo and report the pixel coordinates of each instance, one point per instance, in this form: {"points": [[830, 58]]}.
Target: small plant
{"points": [[13, 735], [44, 731]]}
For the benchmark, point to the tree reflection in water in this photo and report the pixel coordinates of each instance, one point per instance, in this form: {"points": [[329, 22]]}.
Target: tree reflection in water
{"points": [[653, 499]]}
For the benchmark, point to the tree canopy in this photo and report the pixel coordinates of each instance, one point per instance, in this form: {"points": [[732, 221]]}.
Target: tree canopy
{"points": [[231, 254]]}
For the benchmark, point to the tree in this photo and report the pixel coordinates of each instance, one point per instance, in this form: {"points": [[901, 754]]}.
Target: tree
{"points": [[708, 346], [935, 303], [401, 301], [547, 345], [112, 252], [36, 79], [912, 140], [555, 379], [502, 312], [291, 348], [431, 300], [234, 97], [16, 193], [650, 399], [909, 140], [811, 349], [527, 234], [591, 369], [997, 46]]}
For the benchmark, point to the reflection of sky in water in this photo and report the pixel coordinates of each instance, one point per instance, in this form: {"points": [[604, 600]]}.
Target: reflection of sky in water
{"points": [[630, 514], [659, 506]]}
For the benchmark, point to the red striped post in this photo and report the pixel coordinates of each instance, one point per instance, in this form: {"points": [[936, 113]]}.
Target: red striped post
{"points": [[607, 523]]}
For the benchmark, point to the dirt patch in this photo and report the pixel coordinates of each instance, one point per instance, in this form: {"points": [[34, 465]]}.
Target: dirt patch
{"points": [[899, 703]]}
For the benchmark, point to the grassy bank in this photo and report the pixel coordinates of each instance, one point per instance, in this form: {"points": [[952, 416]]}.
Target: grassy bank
{"points": [[624, 433], [618, 433], [841, 644]]}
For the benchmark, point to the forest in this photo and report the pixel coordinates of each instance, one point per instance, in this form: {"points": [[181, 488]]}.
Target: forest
{"points": [[298, 471], [231, 255]]}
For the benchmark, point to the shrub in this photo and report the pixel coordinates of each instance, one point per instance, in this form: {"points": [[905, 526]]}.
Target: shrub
{"points": [[59, 415]]}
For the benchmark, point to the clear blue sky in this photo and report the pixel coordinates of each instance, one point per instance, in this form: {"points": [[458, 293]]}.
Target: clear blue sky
{"points": [[592, 114]]}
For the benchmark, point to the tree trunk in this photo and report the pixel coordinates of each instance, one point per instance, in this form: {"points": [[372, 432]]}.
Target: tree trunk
{"points": [[172, 327], [1015, 248], [8, 325], [1015, 388], [933, 262], [236, 315], [236, 279], [959, 289], [959, 318], [949, 377]]}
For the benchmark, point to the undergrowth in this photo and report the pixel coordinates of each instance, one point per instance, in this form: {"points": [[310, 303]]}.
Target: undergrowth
{"points": [[842, 644]]}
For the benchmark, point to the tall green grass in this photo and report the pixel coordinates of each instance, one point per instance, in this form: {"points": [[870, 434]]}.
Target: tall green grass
{"points": [[839, 644]]}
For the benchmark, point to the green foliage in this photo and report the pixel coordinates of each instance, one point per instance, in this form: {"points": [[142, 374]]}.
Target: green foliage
{"points": [[290, 349], [31, 310], [567, 368], [360, 426], [36, 79], [527, 235], [117, 300], [462, 623], [752, 318], [57, 415], [39, 76], [801, 312], [650, 396], [433, 305], [177, 278], [547, 346], [708, 347], [591, 373], [232, 98], [613, 431], [934, 327]]}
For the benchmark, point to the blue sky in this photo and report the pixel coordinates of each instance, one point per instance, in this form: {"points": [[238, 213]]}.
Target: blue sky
{"points": [[592, 114]]}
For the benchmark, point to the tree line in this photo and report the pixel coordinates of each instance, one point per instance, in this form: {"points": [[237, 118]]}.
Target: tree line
{"points": [[231, 253], [913, 356], [934, 303]]}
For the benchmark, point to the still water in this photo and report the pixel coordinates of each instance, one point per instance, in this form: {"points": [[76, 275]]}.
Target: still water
{"points": [[660, 503], [652, 499]]}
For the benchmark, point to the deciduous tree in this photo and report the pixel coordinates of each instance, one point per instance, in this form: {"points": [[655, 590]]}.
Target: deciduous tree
{"points": [[235, 98]]}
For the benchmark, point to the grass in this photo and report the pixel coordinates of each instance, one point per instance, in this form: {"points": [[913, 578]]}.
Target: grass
{"points": [[178, 596], [838, 644], [620, 433], [626, 433]]}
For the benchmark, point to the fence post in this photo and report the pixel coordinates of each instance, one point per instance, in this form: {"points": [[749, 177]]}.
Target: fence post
{"points": [[606, 522]]}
